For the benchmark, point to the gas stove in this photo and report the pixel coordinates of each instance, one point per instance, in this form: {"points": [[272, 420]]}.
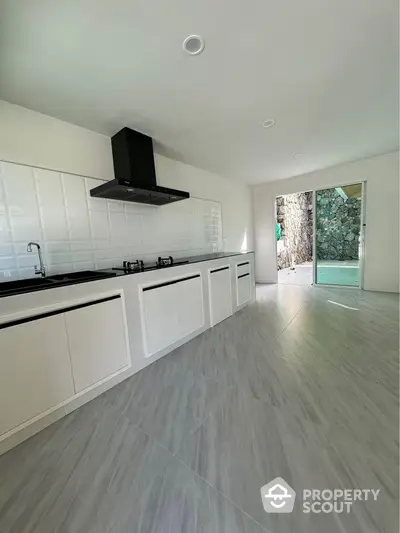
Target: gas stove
{"points": [[139, 266], [133, 266]]}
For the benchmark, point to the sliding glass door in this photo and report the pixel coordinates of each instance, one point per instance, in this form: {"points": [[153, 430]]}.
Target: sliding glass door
{"points": [[338, 235]]}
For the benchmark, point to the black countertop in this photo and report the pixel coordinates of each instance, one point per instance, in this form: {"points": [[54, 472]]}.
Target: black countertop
{"points": [[12, 289], [181, 261]]}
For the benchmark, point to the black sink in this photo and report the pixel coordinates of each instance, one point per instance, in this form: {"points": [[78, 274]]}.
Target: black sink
{"points": [[20, 286], [80, 276], [24, 284]]}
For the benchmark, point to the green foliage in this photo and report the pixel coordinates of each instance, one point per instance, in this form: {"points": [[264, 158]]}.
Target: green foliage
{"points": [[337, 226]]}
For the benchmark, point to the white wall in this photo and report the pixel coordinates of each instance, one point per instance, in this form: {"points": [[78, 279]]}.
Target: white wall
{"points": [[235, 199], [381, 174], [40, 141], [35, 139]]}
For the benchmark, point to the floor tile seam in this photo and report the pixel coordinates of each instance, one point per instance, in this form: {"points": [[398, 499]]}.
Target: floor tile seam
{"points": [[288, 324], [196, 474], [190, 433]]}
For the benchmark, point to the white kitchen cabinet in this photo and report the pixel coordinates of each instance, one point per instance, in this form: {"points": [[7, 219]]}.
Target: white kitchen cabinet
{"points": [[97, 340], [220, 294], [46, 373], [35, 369], [171, 310], [189, 298], [159, 317], [243, 288]]}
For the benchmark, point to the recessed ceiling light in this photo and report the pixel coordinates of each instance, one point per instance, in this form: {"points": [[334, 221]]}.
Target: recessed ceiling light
{"points": [[193, 45], [268, 123]]}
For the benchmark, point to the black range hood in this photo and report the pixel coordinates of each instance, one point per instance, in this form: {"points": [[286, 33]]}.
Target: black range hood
{"points": [[135, 173]]}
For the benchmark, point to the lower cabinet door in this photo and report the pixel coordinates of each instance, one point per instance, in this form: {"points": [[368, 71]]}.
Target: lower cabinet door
{"points": [[170, 311], [220, 294], [97, 340], [159, 318], [189, 298], [243, 289], [35, 370]]}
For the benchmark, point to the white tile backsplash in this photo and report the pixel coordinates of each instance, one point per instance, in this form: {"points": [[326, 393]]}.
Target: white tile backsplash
{"points": [[8, 263], [8, 275], [6, 250], [100, 224], [54, 222], [4, 228], [2, 197], [28, 260], [25, 228], [49, 189], [20, 190], [78, 232], [113, 205], [74, 193], [79, 225]]}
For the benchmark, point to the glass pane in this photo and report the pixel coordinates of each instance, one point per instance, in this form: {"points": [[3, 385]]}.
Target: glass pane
{"points": [[338, 225]]}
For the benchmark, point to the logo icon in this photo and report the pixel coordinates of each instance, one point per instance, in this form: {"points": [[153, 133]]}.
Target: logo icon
{"points": [[277, 496]]}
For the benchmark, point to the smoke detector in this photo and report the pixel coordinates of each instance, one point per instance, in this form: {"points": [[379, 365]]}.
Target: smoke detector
{"points": [[193, 45]]}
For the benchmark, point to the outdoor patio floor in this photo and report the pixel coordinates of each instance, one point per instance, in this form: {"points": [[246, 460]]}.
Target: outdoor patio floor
{"points": [[342, 273]]}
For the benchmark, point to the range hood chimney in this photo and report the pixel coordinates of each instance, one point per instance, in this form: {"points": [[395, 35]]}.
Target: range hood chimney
{"points": [[135, 173]]}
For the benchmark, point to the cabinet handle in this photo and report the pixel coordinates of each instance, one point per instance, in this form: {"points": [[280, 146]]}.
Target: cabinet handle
{"points": [[242, 264], [32, 318], [243, 275], [172, 282], [219, 269]]}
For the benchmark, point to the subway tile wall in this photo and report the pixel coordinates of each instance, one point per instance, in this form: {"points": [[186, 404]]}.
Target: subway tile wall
{"points": [[78, 232]]}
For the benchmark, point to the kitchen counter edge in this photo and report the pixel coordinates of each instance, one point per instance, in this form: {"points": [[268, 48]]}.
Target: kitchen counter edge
{"points": [[181, 261]]}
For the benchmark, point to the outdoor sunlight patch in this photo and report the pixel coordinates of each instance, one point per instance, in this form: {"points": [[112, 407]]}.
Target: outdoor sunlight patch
{"points": [[342, 305]]}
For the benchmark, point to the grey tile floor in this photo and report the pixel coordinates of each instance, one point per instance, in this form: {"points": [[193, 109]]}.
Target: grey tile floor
{"points": [[302, 384]]}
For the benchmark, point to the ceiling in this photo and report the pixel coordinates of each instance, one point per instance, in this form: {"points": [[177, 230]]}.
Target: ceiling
{"points": [[325, 70]]}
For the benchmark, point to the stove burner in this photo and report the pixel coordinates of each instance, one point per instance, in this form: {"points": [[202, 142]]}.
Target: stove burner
{"points": [[139, 266], [133, 266], [164, 261]]}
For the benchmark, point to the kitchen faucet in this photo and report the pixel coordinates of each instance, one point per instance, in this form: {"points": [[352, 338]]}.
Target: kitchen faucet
{"points": [[38, 269]]}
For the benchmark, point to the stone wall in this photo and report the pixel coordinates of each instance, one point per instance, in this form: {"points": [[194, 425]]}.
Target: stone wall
{"points": [[294, 215], [338, 226]]}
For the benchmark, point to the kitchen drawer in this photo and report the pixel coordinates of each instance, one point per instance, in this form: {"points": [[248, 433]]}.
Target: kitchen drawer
{"points": [[243, 268], [243, 289]]}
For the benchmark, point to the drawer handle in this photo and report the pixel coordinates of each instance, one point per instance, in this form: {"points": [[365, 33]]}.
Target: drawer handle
{"points": [[172, 282], [242, 264], [243, 275], [219, 269]]}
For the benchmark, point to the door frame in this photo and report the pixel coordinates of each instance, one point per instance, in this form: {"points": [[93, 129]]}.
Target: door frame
{"points": [[361, 247], [362, 232], [274, 222]]}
